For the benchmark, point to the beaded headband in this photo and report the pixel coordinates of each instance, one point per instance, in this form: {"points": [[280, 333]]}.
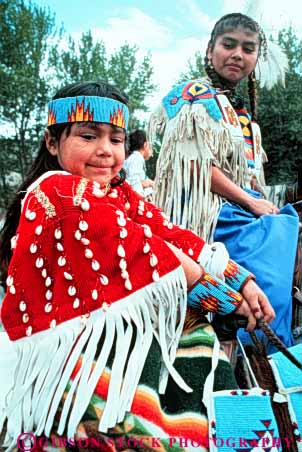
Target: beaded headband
{"points": [[88, 108]]}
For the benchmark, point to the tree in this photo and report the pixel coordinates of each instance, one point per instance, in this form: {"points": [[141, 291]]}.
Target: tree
{"points": [[24, 42], [280, 117], [196, 69], [88, 60]]}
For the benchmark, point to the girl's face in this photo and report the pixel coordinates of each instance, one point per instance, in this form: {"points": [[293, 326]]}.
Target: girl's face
{"points": [[235, 53], [92, 150]]}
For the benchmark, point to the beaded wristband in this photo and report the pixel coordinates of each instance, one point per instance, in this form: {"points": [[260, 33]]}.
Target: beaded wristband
{"points": [[212, 294], [236, 276]]}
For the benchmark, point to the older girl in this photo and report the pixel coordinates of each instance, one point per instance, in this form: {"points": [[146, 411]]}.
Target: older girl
{"points": [[211, 158]]}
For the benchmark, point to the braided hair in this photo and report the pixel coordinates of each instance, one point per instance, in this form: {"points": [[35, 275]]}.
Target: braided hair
{"points": [[230, 22]]}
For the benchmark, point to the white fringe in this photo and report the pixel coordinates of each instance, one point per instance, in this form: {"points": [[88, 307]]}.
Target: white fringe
{"points": [[192, 142], [45, 361]]}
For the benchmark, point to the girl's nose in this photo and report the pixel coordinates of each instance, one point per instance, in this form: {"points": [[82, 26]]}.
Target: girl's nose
{"points": [[237, 53], [104, 147]]}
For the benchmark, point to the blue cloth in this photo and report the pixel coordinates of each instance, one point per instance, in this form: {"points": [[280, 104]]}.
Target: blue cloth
{"points": [[267, 247]]}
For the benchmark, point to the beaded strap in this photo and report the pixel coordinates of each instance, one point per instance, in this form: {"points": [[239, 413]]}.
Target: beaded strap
{"points": [[212, 294], [237, 276]]}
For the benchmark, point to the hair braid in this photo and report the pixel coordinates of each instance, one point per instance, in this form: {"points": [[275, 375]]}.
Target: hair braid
{"points": [[252, 92]]}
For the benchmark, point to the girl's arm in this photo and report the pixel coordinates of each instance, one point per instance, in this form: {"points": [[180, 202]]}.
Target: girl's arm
{"points": [[224, 187]]}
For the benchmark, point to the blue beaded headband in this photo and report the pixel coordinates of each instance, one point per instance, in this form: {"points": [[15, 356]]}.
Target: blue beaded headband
{"points": [[88, 108]]}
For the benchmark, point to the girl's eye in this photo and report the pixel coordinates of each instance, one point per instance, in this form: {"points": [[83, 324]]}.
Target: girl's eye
{"points": [[249, 50], [117, 140], [88, 137]]}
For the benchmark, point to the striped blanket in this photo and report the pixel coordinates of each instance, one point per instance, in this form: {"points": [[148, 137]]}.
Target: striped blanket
{"points": [[175, 421]]}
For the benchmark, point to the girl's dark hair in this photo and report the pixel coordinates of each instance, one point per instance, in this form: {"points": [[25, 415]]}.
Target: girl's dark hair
{"points": [[137, 139], [231, 22], [44, 161]]}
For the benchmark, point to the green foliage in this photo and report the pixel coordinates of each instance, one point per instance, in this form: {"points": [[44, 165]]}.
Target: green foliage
{"points": [[280, 117], [89, 61], [196, 69], [25, 32]]}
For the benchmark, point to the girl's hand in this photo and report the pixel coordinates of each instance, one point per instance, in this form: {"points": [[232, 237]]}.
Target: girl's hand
{"points": [[262, 207], [245, 310], [257, 302]]}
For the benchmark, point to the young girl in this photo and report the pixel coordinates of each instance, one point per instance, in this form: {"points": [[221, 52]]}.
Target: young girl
{"points": [[211, 157], [97, 292]]}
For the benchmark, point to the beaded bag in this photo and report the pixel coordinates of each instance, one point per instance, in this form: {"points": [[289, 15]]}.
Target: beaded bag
{"points": [[239, 419]]}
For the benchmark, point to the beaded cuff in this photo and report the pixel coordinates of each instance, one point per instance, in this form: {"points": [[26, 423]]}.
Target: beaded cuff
{"points": [[212, 294], [237, 276]]}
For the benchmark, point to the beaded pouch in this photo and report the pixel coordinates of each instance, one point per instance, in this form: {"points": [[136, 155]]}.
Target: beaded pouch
{"points": [[239, 420], [289, 382]]}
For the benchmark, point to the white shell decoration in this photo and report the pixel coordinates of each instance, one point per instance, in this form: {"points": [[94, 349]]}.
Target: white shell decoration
{"points": [[85, 241], [61, 261], [170, 226], [39, 229], [60, 247], [30, 215], [76, 303], [39, 262], [94, 294], [104, 280], [123, 264], [121, 221], [97, 192], [13, 241], [83, 225], [72, 291], [153, 260], [28, 331], [128, 284], [22, 306], [48, 295], [125, 274], [12, 290], [58, 234], [105, 306], [165, 222], [95, 265], [85, 205], [96, 184], [146, 248], [113, 194], [25, 318], [9, 280], [147, 231], [67, 276], [123, 233], [155, 275], [149, 214], [48, 307], [53, 323], [48, 281], [33, 248], [77, 235], [140, 212], [121, 251], [190, 252], [88, 253], [44, 273], [119, 212], [127, 205]]}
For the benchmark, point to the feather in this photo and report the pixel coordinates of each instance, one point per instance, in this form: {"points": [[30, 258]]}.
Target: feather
{"points": [[272, 68]]}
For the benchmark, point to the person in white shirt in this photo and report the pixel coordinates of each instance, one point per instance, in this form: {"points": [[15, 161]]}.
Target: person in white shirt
{"points": [[135, 167]]}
